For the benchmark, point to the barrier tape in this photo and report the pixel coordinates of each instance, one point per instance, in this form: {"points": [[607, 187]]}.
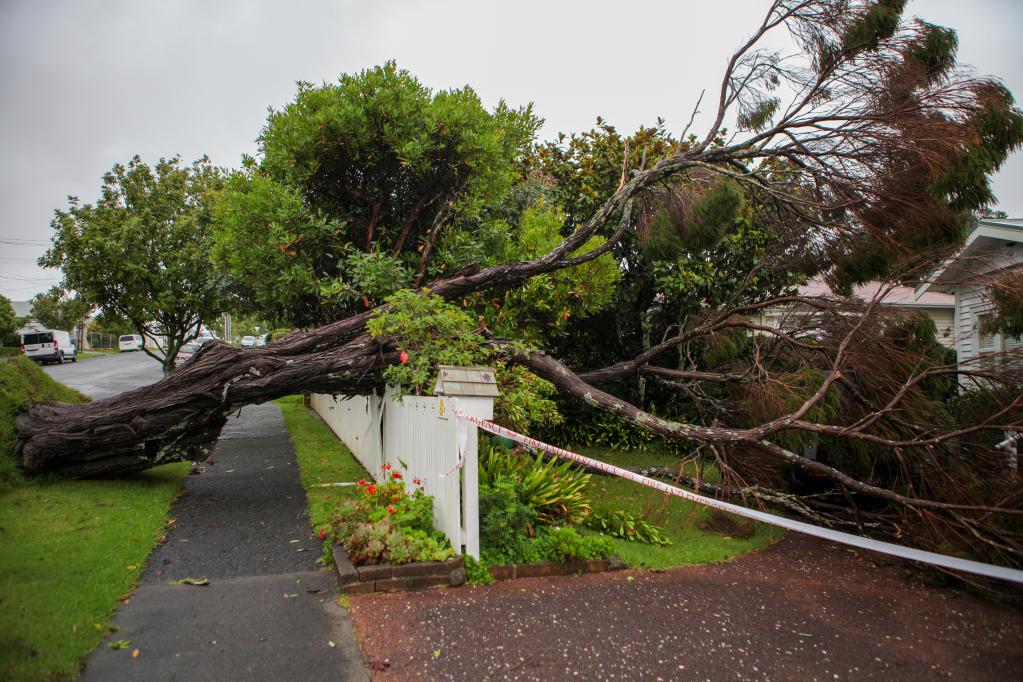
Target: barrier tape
{"points": [[932, 558]]}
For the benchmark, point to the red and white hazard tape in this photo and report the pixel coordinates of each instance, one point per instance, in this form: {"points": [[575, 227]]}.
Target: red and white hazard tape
{"points": [[933, 558]]}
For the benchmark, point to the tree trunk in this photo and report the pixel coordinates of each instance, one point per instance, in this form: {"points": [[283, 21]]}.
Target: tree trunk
{"points": [[181, 416]]}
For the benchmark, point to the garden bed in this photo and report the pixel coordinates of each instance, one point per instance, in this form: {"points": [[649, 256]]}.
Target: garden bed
{"points": [[418, 575], [423, 575]]}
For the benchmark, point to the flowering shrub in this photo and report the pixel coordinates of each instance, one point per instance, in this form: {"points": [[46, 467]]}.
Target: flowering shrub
{"points": [[386, 524]]}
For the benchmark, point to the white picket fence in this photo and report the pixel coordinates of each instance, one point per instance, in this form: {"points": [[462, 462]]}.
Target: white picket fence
{"points": [[419, 437]]}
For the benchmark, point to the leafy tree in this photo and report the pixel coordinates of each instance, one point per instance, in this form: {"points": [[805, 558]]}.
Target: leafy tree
{"points": [[107, 322], [58, 311], [357, 181], [141, 252], [8, 319]]}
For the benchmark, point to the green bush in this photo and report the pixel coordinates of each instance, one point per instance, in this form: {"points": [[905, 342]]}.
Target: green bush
{"points": [[505, 521], [567, 544], [476, 573], [555, 491], [627, 526], [386, 524]]}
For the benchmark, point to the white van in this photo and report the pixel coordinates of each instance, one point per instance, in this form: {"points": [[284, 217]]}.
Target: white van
{"points": [[50, 345], [130, 342]]}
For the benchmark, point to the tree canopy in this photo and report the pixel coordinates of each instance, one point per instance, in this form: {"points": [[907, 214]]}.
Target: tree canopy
{"points": [[141, 252], [355, 184], [57, 310], [8, 318]]}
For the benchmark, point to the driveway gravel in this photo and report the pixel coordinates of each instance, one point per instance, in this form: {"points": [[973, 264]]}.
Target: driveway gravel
{"points": [[799, 610]]}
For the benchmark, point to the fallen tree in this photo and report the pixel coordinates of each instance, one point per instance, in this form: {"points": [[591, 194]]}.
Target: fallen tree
{"points": [[868, 168]]}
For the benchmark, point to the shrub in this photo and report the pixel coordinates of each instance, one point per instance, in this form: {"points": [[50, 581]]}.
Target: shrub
{"points": [[627, 526], [555, 492], [505, 521], [386, 524]]}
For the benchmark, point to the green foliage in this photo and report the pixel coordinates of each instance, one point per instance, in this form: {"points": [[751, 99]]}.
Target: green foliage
{"points": [[355, 179], [23, 382], [1007, 297], [998, 131], [544, 304], [107, 322], [8, 320], [434, 332], [878, 21], [592, 427], [431, 331], [566, 544], [713, 214], [554, 491], [626, 525], [141, 252], [386, 524], [58, 311], [936, 51], [476, 573], [525, 400], [505, 521]]}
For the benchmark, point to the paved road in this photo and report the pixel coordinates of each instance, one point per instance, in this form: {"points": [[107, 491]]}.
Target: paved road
{"points": [[106, 375]]}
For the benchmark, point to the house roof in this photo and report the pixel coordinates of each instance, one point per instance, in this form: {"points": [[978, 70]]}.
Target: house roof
{"points": [[899, 295], [991, 241]]}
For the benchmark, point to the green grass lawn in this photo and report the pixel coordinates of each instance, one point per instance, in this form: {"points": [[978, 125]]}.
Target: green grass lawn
{"points": [[322, 458], [679, 518], [69, 550]]}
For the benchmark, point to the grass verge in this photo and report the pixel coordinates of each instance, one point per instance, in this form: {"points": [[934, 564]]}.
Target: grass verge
{"points": [[680, 518], [69, 550], [322, 459]]}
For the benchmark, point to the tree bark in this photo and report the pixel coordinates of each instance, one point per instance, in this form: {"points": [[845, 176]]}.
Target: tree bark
{"points": [[181, 416]]}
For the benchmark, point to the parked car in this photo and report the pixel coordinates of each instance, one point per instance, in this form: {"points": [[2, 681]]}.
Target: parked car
{"points": [[185, 353], [248, 341], [51, 345], [130, 342], [202, 341]]}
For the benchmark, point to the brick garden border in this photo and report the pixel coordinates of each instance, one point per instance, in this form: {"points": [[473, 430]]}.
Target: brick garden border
{"points": [[395, 578], [353, 579], [546, 568]]}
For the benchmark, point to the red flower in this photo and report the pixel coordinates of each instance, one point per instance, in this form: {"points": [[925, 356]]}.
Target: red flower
{"points": [[387, 467], [391, 510], [396, 475], [323, 534], [371, 489], [403, 357], [417, 481], [362, 481]]}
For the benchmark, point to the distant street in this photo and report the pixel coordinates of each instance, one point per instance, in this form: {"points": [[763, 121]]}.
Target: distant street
{"points": [[107, 375]]}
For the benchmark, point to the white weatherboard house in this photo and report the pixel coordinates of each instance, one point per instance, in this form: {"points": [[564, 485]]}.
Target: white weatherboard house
{"points": [[939, 306], [994, 246]]}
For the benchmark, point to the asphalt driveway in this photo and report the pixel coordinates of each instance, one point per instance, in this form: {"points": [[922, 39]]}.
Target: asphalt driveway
{"points": [[799, 610]]}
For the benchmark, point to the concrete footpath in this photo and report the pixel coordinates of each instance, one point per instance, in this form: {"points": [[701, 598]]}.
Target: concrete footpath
{"points": [[268, 612]]}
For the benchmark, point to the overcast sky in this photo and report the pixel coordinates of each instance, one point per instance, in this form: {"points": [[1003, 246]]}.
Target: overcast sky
{"points": [[89, 84]]}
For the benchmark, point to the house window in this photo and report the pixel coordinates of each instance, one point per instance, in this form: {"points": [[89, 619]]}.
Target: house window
{"points": [[986, 342]]}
